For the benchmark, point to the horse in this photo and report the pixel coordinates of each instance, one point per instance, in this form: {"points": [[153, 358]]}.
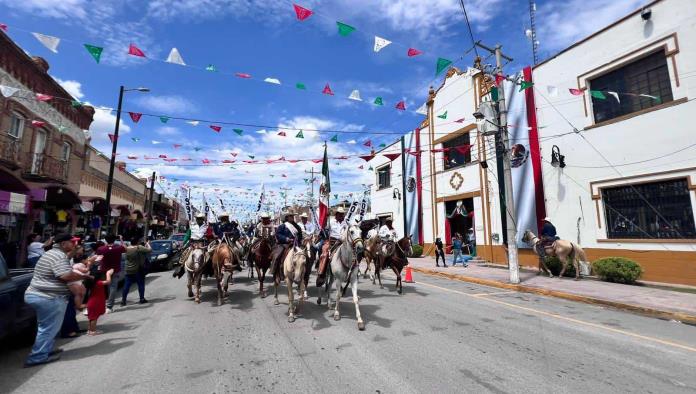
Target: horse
{"points": [[260, 258], [194, 266], [343, 270], [224, 262], [403, 249], [294, 267], [371, 254], [311, 253], [567, 252]]}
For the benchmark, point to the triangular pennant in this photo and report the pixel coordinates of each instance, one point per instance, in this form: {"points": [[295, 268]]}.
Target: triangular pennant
{"points": [[334, 138], [281, 134], [162, 156], [598, 94], [37, 123], [380, 43], [135, 51], [361, 167], [401, 105], [300, 86], [422, 110], [135, 139], [499, 78], [442, 64], [371, 169], [156, 142], [238, 131], [327, 90], [495, 94], [49, 42], [75, 103], [575, 92], [378, 101], [382, 145], [112, 138], [8, 91], [211, 67], [251, 157], [344, 30], [301, 12], [525, 85], [175, 57], [193, 122], [215, 128], [177, 146], [299, 135], [367, 143], [95, 51], [355, 95], [443, 115], [242, 75], [616, 96], [367, 157], [413, 52], [392, 156], [460, 120], [164, 119], [3, 27], [274, 81], [197, 148], [135, 117], [656, 98], [43, 97], [133, 157]]}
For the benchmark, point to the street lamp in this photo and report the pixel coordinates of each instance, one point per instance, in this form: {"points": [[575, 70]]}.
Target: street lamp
{"points": [[114, 144]]}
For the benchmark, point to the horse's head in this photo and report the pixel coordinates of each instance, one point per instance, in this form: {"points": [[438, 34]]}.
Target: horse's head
{"points": [[197, 258], [528, 236], [406, 245], [353, 235]]}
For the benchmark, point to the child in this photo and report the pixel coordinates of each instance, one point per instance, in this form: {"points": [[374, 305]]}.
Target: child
{"points": [[81, 265], [96, 304]]}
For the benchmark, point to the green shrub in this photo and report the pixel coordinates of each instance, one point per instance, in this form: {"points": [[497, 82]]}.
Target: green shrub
{"points": [[555, 266], [617, 269], [417, 251]]}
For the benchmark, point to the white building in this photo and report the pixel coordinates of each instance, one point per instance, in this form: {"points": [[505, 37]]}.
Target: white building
{"points": [[628, 187]]}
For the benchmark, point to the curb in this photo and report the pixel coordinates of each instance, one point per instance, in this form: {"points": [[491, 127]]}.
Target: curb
{"points": [[650, 312]]}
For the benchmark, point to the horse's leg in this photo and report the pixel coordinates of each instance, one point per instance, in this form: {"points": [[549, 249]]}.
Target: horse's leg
{"points": [[227, 280], [276, 283], [576, 263], [258, 275], [291, 297], [398, 277], [564, 262], [197, 279], [379, 275], [337, 314], [356, 301], [189, 283], [303, 289]]}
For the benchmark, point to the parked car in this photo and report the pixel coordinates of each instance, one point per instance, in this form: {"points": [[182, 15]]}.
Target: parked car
{"points": [[164, 254], [16, 317], [178, 238]]}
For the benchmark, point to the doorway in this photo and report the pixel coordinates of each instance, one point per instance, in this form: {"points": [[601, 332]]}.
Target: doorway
{"points": [[459, 218]]}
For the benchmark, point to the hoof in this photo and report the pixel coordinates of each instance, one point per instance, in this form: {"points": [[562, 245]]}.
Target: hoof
{"points": [[219, 302], [337, 317], [263, 295], [276, 302], [190, 294], [291, 319], [198, 301], [361, 326], [576, 279], [318, 301]]}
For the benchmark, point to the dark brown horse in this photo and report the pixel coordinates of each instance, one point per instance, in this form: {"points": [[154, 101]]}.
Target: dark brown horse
{"points": [[225, 261], [260, 257], [398, 260]]}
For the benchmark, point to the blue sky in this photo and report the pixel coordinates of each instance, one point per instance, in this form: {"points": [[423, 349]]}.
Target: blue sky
{"points": [[263, 38]]}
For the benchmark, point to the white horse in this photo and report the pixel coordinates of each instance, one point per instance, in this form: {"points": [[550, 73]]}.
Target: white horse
{"points": [[294, 267], [194, 264], [344, 270]]}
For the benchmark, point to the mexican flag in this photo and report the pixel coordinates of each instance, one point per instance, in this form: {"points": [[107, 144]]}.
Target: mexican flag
{"points": [[324, 192]]}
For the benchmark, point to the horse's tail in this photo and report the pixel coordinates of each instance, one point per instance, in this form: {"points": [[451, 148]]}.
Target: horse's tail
{"points": [[579, 253]]}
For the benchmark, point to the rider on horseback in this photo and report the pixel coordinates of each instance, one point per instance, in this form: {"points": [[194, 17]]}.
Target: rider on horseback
{"points": [[548, 236], [264, 229], [225, 228], [286, 234], [199, 229], [336, 226], [387, 231]]}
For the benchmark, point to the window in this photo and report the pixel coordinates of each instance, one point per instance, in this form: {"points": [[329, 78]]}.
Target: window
{"points": [[641, 84], [16, 125], [459, 152], [649, 210], [383, 177], [65, 153]]}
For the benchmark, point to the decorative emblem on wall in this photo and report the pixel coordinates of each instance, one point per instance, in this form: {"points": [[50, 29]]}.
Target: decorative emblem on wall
{"points": [[456, 181]]}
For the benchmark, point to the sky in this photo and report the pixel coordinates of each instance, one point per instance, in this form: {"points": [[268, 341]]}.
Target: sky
{"points": [[264, 38]]}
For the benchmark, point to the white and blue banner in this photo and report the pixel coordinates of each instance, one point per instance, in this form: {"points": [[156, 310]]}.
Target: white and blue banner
{"points": [[411, 192]]}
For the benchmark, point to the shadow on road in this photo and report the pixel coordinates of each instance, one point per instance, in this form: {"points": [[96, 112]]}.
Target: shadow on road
{"points": [[104, 347]]}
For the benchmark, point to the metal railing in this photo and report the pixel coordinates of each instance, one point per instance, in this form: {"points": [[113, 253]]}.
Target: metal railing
{"points": [[42, 166], [9, 150]]}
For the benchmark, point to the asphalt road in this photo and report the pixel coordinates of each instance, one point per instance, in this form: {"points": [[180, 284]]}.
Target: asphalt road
{"points": [[440, 336]]}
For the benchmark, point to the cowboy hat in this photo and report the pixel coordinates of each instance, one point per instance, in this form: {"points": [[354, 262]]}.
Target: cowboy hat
{"points": [[200, 215], [304, 215], [547, 219], [265, 215], [223, 215], [288, 213], [340, 210]]}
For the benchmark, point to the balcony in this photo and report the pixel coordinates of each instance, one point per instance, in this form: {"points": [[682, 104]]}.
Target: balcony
{"points": [[41, 167], [9, 151]]}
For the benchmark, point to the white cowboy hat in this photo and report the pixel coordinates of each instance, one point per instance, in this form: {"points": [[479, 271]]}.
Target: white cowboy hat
{"points": [[224, 214], [200, 215], [340, 210], [265, 215], [288, 213], [547, 219], [304, 215]]}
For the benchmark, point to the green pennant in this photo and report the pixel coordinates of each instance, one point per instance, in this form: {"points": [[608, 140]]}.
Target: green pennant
{"points": [[334, 138], [443, 116], [300, 86], [299, 135], [95, 51], [197, 149], [494, 93], [525, 85], [442, 64], [76, 104], [164, 119], [238, 131], [135, 139], [371, 169], [378, 101], [382, 146], [335, 196], [251, 157], [344, 30], [272, 175], [211, 68], [598, 94]]}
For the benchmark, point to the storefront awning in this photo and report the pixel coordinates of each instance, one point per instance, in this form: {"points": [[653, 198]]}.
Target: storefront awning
{"points": [[14, 202]]}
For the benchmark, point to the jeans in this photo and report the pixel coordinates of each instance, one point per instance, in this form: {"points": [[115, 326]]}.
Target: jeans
{"points": [[31, 261], [138, 278], [457, 253], [113, 289], [69, 325], [49, 316]]}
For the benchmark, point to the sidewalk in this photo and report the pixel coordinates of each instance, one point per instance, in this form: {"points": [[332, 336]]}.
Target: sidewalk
{"points": [[659, 303]]}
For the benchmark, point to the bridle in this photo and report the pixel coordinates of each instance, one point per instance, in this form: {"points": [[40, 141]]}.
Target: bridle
{"points": [[401, 249]]}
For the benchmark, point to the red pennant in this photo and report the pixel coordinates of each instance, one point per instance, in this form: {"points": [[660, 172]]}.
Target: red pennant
{"points": [[463, 149], [327, 90], [112, 138], [361, 167], [302, 13], [499, 78], [392, 156], [413, 52], [401, 105], [317, 160], [293, 161], [170, 160], [43, 97], [162, 156], [460, 120], [415, 153], [367, 157], [177, 146], [243, 75], [135, 51], [438, 150], [216, 128], [281, 133], [228, 161], [368, 143], [135, 117], [3, 27], [37, 123], [233, 154], [575, 92], [205, 161]]}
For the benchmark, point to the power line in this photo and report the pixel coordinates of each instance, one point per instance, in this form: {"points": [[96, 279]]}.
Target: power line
{"points": [[468, 25]]}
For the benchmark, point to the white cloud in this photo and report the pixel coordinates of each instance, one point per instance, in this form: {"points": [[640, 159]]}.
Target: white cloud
{"points": [[63, 9], [563, 23], [352, 142], [168, 131], [168, 105], [72, 87], [102, 126]]}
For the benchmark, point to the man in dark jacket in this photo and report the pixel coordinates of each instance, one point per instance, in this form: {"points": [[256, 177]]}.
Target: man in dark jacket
{"points": [[439, 252], [286, 234], [548, 236]]}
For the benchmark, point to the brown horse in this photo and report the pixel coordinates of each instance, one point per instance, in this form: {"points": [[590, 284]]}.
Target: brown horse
{"points": [[372, 255], [224, 262], [260, 257], [566, 251], [399, 259]]}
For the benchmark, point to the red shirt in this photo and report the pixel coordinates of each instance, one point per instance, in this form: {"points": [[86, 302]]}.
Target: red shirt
{"points": [[112, 257]]}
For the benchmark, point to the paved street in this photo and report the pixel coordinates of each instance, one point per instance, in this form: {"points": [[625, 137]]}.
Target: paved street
{"points": [[440, 336]]}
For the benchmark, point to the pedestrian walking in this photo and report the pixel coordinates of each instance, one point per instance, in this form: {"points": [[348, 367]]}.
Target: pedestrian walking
{"points": [[439, 252], [457, 250], [96, 305], [136, 257], [112, 261], [48, 295]]}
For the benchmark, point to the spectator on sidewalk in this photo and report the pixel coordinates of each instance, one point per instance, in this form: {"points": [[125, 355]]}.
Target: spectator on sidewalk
{"points": [[439, 252], [48, 295], [136, 257], [36, 248], [471, 241], [457, 250], [98, 287], [112, 260]]}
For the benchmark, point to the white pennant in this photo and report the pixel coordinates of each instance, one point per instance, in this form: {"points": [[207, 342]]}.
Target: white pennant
{"points": [[49, 42], [8, 91], [380, 43], [355, 95], [175, 57], [616, 96], [193, 122], [274, 81], [156, 142], [423, 110]]}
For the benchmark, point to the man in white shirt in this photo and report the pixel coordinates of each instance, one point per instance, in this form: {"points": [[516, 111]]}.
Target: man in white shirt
{"points": [[36, 249], [336, 226], [307, 227], [199, 229]]}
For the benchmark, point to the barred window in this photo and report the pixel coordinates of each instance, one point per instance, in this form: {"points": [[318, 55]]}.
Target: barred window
{"points": [[641, 84], [459, 152], [384, 177], [649, 210]]}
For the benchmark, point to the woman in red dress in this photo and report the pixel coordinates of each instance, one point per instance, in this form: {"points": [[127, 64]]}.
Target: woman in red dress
{"points": [[96, 304]]}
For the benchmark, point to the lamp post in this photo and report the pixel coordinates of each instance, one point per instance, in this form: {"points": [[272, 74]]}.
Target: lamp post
{"points": [[114, 144]]}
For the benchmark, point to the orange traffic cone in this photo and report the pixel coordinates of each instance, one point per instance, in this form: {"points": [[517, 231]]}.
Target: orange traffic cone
{"points": [[409, 275]]}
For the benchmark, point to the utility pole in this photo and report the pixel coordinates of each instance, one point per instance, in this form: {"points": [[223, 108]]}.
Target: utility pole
{"points": [[311, 181], [511, 229], [148, 206], [285, 196]]}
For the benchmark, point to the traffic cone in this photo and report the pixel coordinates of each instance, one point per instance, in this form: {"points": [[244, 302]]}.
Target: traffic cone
{"points": [[409, 275]]}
